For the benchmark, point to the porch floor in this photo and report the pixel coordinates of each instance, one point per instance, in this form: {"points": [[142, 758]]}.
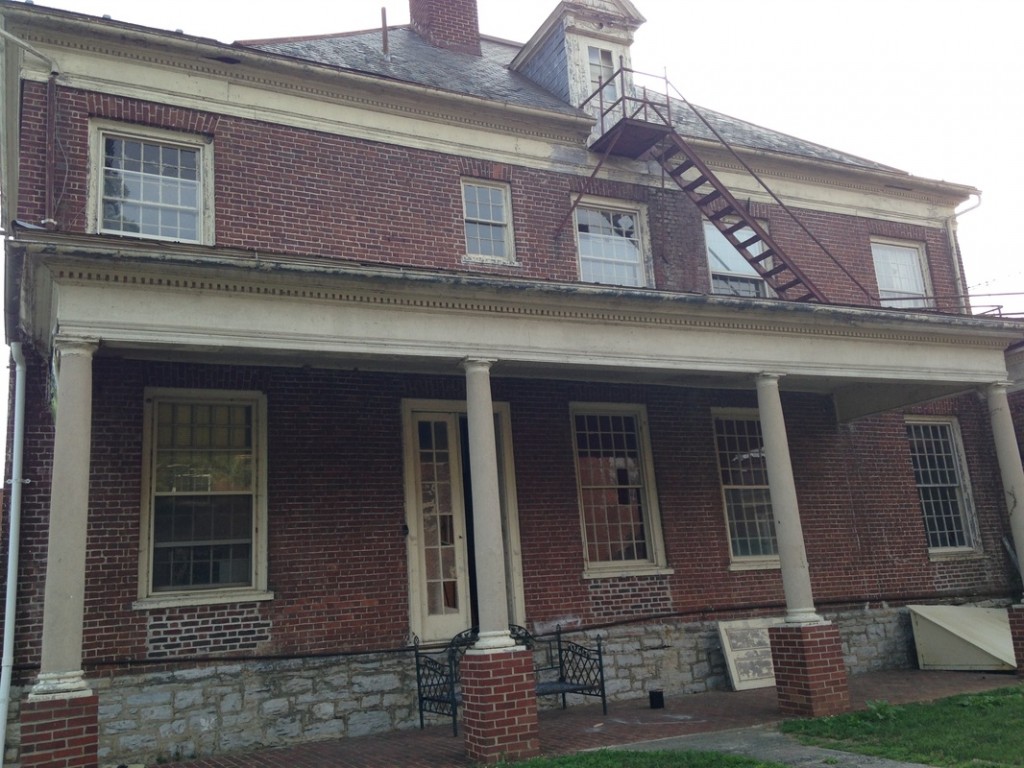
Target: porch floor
{"points": [[583, 726]]}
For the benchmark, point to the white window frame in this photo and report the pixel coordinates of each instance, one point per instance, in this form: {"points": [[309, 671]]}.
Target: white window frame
{"points": [[642, 269], [964, 495], [752, 277], [596, 72], [887, 292], [505, 224], [100, 130], [257, 589], [741, 562], [655, 562]]}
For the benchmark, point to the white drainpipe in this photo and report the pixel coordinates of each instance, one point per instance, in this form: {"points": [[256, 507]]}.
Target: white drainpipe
{"points": [[10, 603]]}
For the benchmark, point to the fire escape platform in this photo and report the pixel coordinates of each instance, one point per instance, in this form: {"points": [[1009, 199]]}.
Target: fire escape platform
{"points": [[631, 137]]}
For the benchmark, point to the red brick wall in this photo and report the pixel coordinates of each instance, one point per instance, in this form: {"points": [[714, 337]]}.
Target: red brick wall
{"points": [[298, 192], [336, 500], [60, 734]]}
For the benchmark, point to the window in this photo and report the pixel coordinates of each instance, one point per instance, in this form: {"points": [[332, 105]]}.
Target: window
{"points": [[731, 273], [621, 528], [942, 484], [602, 70], [610, 246], [743, 472], [153, 184], [899, 270], [488, 222], [204, 511]]}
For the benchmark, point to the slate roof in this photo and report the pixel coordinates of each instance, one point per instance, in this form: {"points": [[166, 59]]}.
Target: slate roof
{"points": [[413, 60]]}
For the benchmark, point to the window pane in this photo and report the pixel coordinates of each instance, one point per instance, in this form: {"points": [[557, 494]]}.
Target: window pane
{"points": [[744, 476], [161, 183], [609, 246], [731, 273], [611, 487], [204, 487], [934, 453], [486, 220], [900, 277]]}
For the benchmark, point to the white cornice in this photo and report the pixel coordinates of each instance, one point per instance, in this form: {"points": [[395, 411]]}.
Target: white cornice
{"points": [[332, 282]]}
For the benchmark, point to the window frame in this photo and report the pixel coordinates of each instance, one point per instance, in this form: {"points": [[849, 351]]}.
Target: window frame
{"points": [[741, 562], [924, 300], [257, 589], [644, 269], [753, 279], [100, 130], [965, 497], [611, 89], [655, 562], [509, 235]]}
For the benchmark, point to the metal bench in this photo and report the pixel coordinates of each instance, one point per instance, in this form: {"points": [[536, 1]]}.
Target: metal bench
{"points": [[562, 667]]}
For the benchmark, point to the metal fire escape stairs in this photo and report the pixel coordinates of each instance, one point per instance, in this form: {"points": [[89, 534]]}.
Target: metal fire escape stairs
{"points": [[638, 125]]}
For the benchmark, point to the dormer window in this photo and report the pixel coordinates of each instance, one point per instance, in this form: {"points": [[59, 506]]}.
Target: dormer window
{"points": [[602, 69]]}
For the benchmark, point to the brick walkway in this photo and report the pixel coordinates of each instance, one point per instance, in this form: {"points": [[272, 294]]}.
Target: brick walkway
{"points": [[584, 727]]}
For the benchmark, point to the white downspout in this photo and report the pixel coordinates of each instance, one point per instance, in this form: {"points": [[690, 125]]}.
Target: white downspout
{"points": [[954, 248], [11, 598]]}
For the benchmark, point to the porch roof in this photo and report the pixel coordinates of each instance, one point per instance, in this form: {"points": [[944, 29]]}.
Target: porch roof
{"points": [[152, 300]]}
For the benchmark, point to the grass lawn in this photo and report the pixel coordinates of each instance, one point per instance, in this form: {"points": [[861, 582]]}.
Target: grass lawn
{"points": [[625, 759], [981, 729]]}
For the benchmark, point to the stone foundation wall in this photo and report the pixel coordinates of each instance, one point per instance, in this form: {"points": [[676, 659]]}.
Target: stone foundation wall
{"points": [[224, 707], [221, 708]]}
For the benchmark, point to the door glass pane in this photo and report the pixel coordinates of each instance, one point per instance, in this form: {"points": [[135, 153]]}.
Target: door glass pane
{"points": [[439, 524]]}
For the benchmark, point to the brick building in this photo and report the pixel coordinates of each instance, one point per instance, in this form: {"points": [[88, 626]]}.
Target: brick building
{"points": [[327, 346]]}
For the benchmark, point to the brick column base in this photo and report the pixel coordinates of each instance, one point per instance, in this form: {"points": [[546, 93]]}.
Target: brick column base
{"points": [[499, 705], [810, 676], [1017, 633], [62, 733]]}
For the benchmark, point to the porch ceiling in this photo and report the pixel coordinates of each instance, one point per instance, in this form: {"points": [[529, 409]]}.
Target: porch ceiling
{"points": [[238, 309]]}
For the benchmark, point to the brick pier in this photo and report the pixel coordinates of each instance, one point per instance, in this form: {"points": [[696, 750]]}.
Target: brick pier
{"points": [[499, 713], [810, 676]]}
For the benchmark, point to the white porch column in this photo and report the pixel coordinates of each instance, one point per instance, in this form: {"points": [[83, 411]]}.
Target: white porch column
{"points": [[796, 577], [492, 594], [61, 674], [1008, 455]]}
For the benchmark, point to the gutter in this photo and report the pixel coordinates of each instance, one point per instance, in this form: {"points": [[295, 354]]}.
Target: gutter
{"points": [[11, 597]]}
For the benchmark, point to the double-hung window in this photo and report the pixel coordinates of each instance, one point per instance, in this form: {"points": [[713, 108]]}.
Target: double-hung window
{"points": [[942, 483], [731, 273], [487, 213], [610, 244], [743, 472], [618, 503], [900, 272], [204, 510], [153, 184]]}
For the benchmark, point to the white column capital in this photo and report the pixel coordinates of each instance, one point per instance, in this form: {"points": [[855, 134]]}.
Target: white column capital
{"points": [[74, 345], [476, 363], [997, 386], [769, 377]]}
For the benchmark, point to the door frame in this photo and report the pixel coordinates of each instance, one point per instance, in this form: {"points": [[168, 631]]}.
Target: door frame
{"points": [[419, 624]]}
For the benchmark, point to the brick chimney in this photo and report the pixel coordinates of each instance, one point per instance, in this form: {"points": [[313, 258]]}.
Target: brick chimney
{"points": [[449, 24]]}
